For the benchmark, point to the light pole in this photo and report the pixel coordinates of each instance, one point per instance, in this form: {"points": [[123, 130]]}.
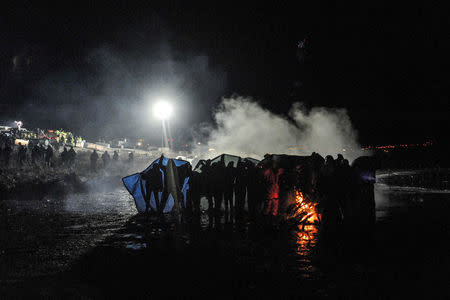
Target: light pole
{"points": [[163, 110]]}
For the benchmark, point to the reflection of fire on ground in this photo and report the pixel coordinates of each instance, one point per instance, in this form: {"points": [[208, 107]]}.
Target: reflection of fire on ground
{"points": [[304, 212], [306, 237]]}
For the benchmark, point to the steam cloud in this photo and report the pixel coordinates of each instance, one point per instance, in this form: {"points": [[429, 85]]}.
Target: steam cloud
{"points": [[245, 128]]}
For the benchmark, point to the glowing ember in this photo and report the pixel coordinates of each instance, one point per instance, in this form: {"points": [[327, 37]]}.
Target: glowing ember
{"points": [[305, 211]]}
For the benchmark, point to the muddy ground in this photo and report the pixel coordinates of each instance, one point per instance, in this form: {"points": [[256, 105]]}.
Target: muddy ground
{"points": [[91, 243]]}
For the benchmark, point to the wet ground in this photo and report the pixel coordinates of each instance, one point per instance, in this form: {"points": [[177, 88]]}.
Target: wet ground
{"points": [[93, 244]]}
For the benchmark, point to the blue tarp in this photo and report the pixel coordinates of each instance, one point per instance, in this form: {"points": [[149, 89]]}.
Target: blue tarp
{"points": [[135, 184]]}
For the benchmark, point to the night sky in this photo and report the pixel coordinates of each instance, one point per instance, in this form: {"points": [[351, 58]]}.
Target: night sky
{"points": [[93, 69]]}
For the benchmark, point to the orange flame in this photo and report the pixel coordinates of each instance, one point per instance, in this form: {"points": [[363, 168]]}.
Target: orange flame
{"points": [[305, 210]]}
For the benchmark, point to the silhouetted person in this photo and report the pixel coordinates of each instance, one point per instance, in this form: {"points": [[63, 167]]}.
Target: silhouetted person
{"points": [[130, 157], [153, 185], [317, 164], [7, 154], [195, 191], [35, 154], [106, 158], [116, 156], [363, 194], [22, 154], [207, 182], [64, 156], [272, 179], [30, 146], [343, 188], [240, 187], [229, 185], [41, 153], [71, 155], [48, 155], [94, 158], [329, 201], [218, 175], [255, 194]]}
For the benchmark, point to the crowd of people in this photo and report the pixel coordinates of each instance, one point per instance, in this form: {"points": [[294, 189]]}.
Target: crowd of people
{"points": [[344, 193], [231, 185], [48, 155], [32, 154]]}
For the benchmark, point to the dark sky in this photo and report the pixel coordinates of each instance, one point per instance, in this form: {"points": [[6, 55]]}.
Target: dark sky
{"points": [[93, 69]]}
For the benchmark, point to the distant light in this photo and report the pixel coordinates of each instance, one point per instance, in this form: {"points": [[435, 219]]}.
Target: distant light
{"points": [[19, 124], [162, 110], [211, 149], [199, 143]]}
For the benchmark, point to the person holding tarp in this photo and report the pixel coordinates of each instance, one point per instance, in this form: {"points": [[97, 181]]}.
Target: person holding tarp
{"points": [[153, 186], [175, 179]]}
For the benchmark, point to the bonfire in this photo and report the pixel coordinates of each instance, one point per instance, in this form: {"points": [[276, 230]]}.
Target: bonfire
{"points": [[304, 211]]}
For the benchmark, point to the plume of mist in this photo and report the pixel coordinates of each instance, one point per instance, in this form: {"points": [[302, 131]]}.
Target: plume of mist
{"points": [[243, 127]]}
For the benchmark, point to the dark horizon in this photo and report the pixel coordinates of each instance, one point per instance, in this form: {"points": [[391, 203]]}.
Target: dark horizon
{"points": [[96, 72]]}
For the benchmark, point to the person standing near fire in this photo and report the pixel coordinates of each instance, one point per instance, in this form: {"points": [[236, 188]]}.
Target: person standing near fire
{"points": [[272, 179]]}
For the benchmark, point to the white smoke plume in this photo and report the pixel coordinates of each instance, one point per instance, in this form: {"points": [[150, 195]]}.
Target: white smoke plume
{"points": [[243, 127]]}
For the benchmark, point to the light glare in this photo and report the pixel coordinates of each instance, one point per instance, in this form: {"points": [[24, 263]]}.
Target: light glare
{"points": [[162, 110]]}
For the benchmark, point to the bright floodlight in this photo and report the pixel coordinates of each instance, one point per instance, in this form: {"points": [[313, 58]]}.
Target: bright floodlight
{"points": [[162, 110]]}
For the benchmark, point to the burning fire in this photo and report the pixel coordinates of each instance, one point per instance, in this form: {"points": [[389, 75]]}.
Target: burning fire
{"points": [[305, 211]]}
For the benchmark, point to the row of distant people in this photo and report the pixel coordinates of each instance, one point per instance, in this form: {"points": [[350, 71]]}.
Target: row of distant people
{"points": [[39, 153], [106, 158], [34, 155]]}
